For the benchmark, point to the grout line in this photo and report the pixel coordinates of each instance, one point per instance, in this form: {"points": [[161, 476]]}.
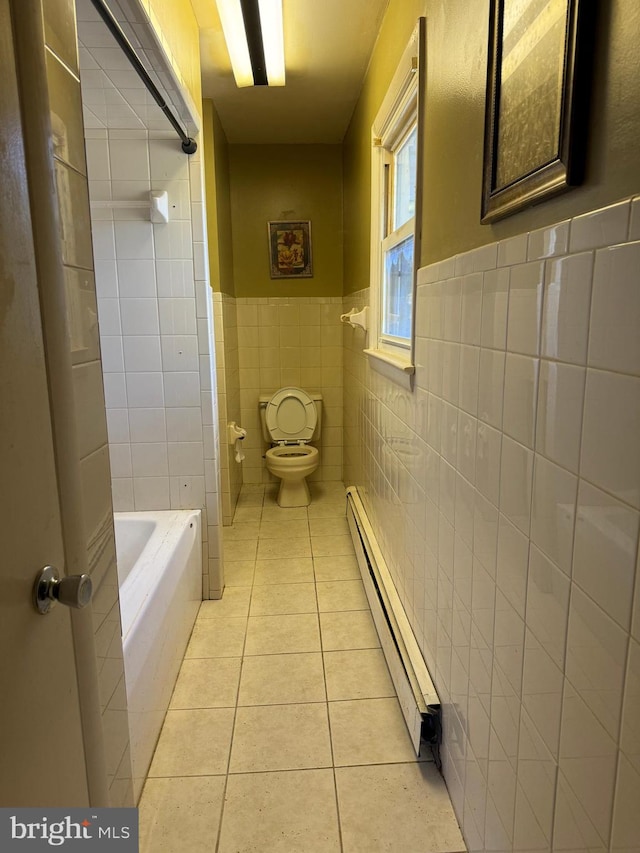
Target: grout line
{"points": [[243, 656], [299, 769], [333, 760], [235, 716], [565, 656]]}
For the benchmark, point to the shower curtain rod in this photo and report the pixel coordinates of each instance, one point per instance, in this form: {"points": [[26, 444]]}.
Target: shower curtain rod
{"points": [[189, 145]]}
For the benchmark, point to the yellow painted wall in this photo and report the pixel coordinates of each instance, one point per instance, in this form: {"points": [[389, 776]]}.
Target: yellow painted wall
{"points": [[216, 172], [455, 120], [286, 182], [175, 23], [457, 38], [397, 26]]}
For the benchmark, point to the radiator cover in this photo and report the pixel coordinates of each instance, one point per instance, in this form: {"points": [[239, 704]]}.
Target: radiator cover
{"points": [[416, 692]]}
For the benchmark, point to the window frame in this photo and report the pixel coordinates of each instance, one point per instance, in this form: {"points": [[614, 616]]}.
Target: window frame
{"points": [[400, 108]]}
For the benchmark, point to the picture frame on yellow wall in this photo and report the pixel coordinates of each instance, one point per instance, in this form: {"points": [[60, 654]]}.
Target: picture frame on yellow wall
{"points": [[537, 99], [290, 253]]}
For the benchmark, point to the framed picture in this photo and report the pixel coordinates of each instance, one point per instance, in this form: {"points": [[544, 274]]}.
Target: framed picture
{"points": [[536, 102], [290, 249]]}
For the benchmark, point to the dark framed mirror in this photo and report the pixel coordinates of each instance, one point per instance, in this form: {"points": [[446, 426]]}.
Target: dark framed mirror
{"points": [[537, 89]]}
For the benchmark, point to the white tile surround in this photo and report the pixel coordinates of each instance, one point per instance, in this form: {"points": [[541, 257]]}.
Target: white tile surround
{"points": [[154, 308], [154, 301], [505, 490], [287, 341]]}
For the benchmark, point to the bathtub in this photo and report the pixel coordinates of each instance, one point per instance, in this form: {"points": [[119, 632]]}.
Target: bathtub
{"points": [[160, 579]]}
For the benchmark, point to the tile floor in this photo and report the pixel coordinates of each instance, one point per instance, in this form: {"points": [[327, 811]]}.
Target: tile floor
{"points": [[284, 732]]}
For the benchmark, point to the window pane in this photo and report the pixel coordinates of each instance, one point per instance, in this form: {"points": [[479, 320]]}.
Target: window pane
{"points": [[405, 183], [398, 290]]}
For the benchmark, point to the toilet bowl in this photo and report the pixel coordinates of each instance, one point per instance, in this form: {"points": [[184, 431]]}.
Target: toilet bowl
{"points": [[290, 420], [293, 464]]}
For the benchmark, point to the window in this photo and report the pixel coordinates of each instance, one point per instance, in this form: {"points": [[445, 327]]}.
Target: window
{"points": [[397, 244], [395, 184]]}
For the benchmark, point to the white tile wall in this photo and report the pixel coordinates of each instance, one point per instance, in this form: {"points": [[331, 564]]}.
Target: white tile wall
{"points": [[610, 454], [525, 308], [606, 535], [155, 333], [292, 341], [614, 342], [559, 416], [522, 585]]}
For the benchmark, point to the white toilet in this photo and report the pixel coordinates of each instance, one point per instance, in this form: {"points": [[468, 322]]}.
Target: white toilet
{"points": [[291, 419]]}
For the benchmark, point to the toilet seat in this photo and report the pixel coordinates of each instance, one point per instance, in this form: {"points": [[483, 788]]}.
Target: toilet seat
{"points": [[292, 454], [291, 416]]}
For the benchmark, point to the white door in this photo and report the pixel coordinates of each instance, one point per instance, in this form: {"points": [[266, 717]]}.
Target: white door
{"points": [[41, 749]]}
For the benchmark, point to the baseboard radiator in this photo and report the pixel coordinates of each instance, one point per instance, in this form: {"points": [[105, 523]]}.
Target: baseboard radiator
{"points": [[416, 692]]}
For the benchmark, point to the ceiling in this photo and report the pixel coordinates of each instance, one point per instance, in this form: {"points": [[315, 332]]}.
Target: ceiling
{"points": [[327, 48]]}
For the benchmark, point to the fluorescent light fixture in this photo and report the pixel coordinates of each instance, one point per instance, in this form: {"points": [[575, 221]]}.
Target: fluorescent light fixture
{"points": [[233, 26], [273, 40], [232, 21]]}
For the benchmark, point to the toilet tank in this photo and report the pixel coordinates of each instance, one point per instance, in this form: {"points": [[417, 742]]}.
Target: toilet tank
{"points": [[263, 399]]}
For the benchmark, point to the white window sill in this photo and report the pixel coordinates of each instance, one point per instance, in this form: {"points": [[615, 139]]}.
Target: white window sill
{"points": [[397, 369]]}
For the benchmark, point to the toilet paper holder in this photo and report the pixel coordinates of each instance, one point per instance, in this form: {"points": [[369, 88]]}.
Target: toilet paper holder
{"points": [[236, 433]]}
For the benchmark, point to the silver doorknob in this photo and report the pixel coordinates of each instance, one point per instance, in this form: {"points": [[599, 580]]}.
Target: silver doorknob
{"points": [[49, 587]]}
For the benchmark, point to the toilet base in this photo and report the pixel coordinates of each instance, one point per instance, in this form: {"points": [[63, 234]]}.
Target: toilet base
{"points": [[294, 493]]}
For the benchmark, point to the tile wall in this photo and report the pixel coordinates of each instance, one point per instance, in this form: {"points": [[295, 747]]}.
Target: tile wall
{"points": [[505, 489], [290, 341], [228, 380], [154, 306], [154, 300], [71, 184]]}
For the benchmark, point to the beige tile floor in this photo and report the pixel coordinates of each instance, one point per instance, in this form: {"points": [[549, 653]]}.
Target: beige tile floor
{"points": [[284, 733]]}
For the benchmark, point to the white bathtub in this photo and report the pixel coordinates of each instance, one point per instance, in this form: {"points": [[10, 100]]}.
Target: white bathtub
{"points": [[160, 578]]}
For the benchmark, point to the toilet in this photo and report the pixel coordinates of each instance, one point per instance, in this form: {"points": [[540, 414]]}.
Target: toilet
{"points": [[291, 419]]}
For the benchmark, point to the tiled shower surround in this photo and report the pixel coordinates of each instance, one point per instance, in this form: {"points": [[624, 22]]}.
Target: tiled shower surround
{"points": [[154, 307], [281, 341], [505, 492]]}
